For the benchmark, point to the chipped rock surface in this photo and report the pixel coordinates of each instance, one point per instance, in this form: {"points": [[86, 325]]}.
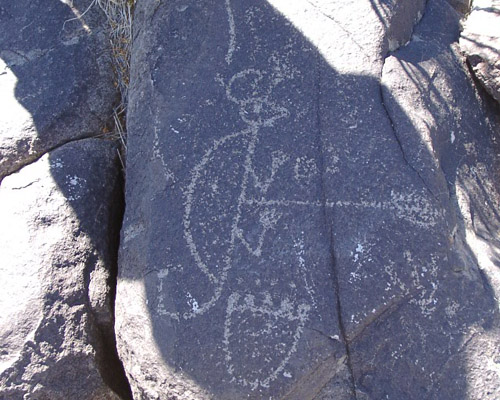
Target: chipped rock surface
{"points": [[58, 250], [308, 216], [480, 40], [56, 80]]}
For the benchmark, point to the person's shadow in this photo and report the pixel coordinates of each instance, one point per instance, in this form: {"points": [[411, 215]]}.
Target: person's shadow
{"points": [[294, 237]]}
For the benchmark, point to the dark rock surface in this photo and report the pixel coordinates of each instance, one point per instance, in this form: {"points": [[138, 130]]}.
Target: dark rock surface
{"points": [[449, 136], [60, 217], [303, 221], [480, 40], [60, 204], [56, 80]]}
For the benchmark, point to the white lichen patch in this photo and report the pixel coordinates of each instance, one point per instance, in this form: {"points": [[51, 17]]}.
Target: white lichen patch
{"points": [[361, 257], [359, 251], [75, 186], [132, 231], [56, 164]]}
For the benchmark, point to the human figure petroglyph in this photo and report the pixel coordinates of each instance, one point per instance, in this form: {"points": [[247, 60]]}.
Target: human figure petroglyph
{"points": [[256, 110], [267, 219], [278, 159]]}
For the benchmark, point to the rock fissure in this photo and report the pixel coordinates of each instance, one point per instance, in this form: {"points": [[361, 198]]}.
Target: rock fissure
{"points": [[50, 150], [392, 307], [113, 371], [309, 386], [401, 147], [119, 15], [285, 250], [329, 223], [340, 318]]}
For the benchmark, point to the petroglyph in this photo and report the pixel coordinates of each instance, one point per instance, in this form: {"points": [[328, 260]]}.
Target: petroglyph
{"points": [[278, 159], [268, 219], [262, 327], [421, 289], [255, 320], [305, 169], [299, 246], [216, 281], [232, 33], [257, 110], [426, 298], [157, 153], [411, 207]]}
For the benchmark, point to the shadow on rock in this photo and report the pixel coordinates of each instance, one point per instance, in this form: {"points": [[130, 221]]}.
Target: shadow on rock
{"points": [[294, 224], [62, 197]]}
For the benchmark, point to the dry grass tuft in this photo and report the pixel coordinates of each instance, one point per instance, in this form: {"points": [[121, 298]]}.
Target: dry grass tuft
{"points": [[119, 14]]}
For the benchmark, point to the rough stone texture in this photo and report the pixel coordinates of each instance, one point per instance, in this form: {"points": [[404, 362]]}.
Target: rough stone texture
{"points": [[304, 216], [447, 130], [480, 40], [56, 80], [60, 217]]}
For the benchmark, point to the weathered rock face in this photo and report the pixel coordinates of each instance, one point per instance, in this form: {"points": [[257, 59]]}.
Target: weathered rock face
{"points": [[304, 216], [56, 80], [58, 249], [60, 214], [449, 137], [480, 40]]}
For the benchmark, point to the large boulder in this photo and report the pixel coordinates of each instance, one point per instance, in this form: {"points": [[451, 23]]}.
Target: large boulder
{"points": [[56, 79], [480, 41], [60, 219], [299, 220]]}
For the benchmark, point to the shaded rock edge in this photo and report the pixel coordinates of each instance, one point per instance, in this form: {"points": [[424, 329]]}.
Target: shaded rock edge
{"points": [[465, 145]]}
